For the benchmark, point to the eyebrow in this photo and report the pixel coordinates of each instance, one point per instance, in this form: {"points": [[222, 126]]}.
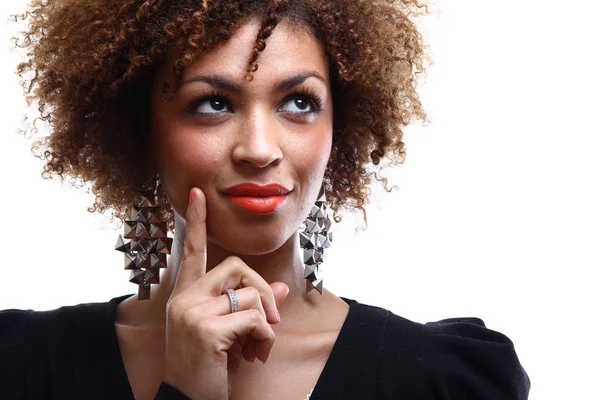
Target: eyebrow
{"points": [[222, 83]]}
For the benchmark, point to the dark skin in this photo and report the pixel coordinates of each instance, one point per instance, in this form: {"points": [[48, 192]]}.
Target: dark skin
{"points": [[278, 343]]}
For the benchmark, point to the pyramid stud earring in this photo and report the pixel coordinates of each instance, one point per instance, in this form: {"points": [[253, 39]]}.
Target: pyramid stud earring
{"points": [[315, 237], [145, 243]]}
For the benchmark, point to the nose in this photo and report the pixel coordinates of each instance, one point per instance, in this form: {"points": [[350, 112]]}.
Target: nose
{"points": [[258, 141]]}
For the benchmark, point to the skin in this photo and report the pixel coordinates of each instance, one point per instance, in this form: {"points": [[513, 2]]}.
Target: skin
{"points": [[185, 334]]}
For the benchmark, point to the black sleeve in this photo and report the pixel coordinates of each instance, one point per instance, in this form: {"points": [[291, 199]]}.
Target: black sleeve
{"points": [[15, 337], [168, 392], [465, 360]]}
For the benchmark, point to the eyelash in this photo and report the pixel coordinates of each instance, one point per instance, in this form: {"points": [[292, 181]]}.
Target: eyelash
{"points": [[316, 102]]}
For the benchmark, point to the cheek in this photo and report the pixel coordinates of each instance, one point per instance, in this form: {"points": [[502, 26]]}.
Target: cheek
{"points": [[179, 144], [185, 159], [317, 150], [311, 159]]}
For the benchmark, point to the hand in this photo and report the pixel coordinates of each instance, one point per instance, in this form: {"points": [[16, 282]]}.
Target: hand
{"points": [[205, 342]]}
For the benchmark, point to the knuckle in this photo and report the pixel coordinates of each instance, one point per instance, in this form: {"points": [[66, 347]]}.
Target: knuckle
{"points": [[235, 263], [269, 336], [233, 259], [255, 316], [254, 293], [206, 329], [189, 318]]}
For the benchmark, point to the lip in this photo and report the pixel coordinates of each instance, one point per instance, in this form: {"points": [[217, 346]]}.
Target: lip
{"points": [[259, 199], [255, 190]]}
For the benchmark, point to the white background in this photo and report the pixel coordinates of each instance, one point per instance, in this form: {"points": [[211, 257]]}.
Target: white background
{"points": [[497, 215]]}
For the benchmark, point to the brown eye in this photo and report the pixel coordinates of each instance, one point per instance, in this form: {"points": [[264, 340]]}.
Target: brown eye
{"points": [[217, 105], [302, 104], [210, 105], [298, 104]]}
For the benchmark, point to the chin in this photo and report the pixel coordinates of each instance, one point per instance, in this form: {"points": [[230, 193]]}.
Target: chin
{"points": [[250, 240]]}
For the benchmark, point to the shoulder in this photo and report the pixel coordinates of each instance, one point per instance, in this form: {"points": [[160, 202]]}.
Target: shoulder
{"points": [[454, 358], [23, 329], [19, 326], [34, 343], [466, 357], [15, 331]]}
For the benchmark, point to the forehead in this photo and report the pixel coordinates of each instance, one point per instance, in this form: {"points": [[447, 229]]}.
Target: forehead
{"points": [[290, 48]]}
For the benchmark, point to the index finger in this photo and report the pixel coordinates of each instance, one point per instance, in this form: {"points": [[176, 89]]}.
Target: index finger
{"points": [[193, 263]]}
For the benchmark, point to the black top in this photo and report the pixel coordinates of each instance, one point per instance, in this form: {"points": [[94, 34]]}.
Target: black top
{"points": [[72, 353]]}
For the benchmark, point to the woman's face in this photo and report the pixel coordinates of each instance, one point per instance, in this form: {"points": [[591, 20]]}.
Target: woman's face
{"points": [[221, 131]]}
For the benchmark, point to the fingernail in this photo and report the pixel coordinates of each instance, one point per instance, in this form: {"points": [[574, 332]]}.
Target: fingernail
{"points": [[278, 316], [192, 196], [266, 358], [253, 358]]}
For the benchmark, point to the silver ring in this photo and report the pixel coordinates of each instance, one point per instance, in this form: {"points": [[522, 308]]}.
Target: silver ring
{"points": [[233, 298]]}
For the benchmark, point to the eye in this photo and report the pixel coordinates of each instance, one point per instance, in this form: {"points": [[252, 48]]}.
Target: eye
{"points": [[298, 104], [211, 104], [303, 102]]}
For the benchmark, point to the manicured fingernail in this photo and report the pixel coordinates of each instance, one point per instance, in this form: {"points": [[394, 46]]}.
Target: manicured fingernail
{"points": [[192, 196]]}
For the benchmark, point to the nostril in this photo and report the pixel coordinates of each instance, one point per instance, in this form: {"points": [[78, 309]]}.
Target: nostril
{"points": [[261, 162], [258, 154]]}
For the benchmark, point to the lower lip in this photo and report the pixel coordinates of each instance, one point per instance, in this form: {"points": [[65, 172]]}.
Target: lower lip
{"points": [[258, 205]]}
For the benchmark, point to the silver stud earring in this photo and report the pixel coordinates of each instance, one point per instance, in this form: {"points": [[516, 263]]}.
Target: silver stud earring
{"points": [[315, 237], [145, 242]]}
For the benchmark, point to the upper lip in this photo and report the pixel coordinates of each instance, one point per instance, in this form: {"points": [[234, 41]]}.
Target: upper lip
{"points": [[253, 189]]}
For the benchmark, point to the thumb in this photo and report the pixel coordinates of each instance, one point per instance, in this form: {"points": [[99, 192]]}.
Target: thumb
{"points": [[280, 291]]}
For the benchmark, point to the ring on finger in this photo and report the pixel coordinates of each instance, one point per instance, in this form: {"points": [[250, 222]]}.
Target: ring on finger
{"points": [[233, 298]]}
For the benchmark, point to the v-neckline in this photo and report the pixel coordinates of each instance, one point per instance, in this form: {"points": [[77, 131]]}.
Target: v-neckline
{"points": [[329, 364]]}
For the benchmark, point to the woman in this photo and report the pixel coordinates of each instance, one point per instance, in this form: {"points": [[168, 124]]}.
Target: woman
{"points": [[232, 119]]}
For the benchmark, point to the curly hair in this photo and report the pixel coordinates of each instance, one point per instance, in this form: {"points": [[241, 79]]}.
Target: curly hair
{"points": [[90, 65]]}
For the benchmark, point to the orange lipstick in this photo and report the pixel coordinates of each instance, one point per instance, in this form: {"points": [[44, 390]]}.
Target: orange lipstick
{"points": [[259, 199]]}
